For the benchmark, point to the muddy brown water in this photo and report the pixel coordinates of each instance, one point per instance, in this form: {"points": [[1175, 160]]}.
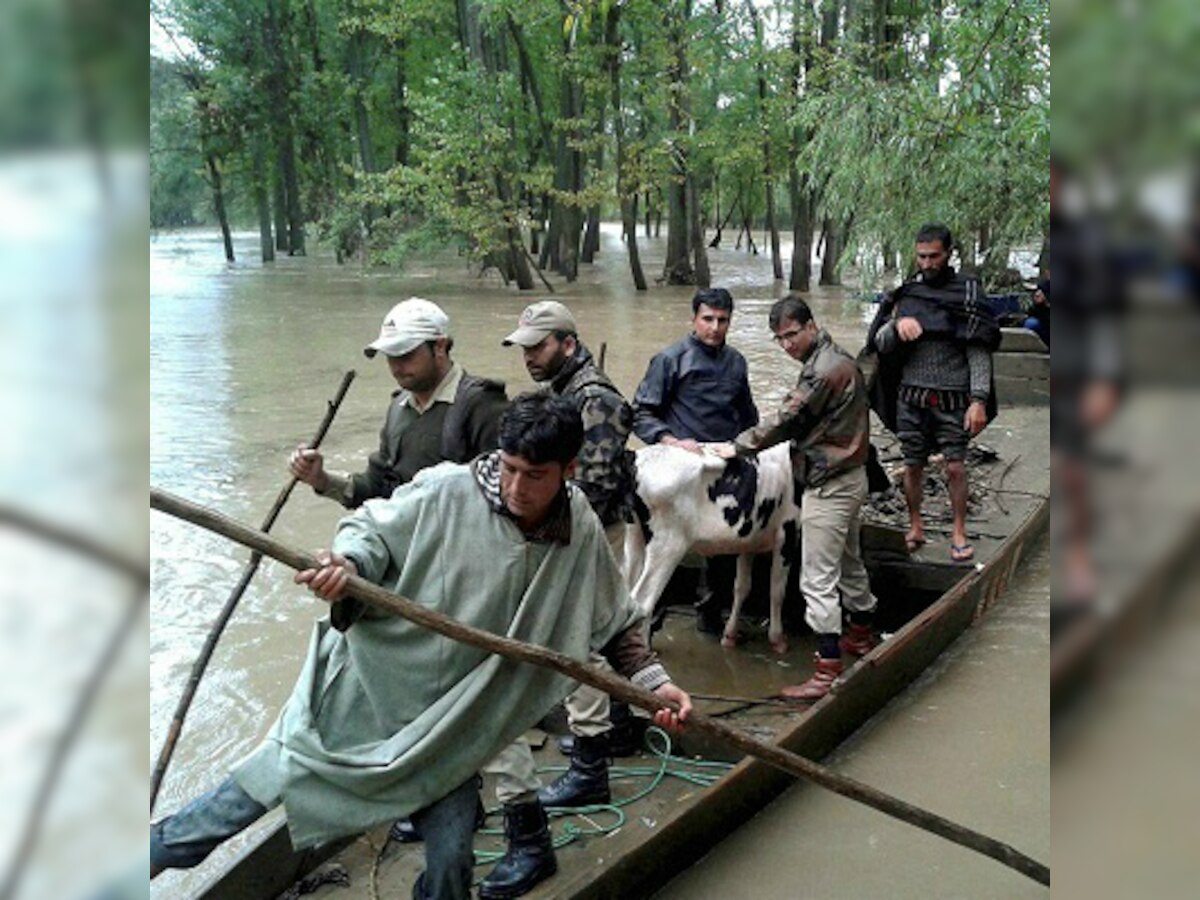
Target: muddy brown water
{"points": [[970, 739]]}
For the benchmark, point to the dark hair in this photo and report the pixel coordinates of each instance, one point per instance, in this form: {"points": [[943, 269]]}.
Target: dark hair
{"points": [[935, 231], [713, 298], [541, 427], [792, 307], [561, 334]]}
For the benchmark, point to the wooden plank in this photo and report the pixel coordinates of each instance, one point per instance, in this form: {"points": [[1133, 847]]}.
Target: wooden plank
{"points": [[1020, 340], [268, 867], [1022, 365]]}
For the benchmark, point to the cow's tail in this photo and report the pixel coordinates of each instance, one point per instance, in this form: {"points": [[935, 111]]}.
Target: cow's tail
{"points": [[636, 536]]}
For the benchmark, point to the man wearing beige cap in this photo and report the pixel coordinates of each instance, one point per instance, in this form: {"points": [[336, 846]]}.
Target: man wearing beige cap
{"points": [[439, 412], [557, 359]]}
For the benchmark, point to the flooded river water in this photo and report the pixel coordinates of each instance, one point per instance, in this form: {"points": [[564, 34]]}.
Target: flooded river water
{"points": [[969, 739]]}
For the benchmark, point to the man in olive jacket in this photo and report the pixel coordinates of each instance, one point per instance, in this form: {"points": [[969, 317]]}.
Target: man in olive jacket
{"points": [[439, 414], [826, 418]]}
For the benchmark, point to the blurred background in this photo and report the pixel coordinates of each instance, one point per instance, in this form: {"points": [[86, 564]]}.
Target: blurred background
{"points": [[1125, 277], [1123, 287], [73, 448]]}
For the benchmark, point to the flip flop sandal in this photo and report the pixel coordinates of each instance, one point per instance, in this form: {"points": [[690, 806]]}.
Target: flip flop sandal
{"points": [[962, 552]]}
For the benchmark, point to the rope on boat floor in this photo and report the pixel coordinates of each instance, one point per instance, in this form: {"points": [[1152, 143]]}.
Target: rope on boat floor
{"points": [[699, 772]]}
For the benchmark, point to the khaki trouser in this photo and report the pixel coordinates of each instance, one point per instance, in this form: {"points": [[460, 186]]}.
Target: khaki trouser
{"points": [[587, 707], [516, 777], [832, 573]]}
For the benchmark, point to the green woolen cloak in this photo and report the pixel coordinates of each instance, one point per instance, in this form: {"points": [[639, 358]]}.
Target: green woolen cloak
{"points": [[388, 717]]}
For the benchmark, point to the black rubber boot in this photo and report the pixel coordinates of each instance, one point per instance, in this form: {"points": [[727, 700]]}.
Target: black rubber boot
{"points": [[530, 856], [586, 781], [405, 832], [625, 736]]}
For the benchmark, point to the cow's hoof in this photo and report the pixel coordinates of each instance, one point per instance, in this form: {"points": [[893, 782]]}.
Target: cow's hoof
{"points": [[729, 640], [780, 646]]}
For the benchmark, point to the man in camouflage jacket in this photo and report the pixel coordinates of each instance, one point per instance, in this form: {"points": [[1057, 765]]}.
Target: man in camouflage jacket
{"points": [[557, 359], [826, 417]]}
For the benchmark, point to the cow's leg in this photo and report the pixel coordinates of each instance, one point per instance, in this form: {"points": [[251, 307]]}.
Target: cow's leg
{"points": [[779, 572], [663, 553], [633, 559], [741, 590]]}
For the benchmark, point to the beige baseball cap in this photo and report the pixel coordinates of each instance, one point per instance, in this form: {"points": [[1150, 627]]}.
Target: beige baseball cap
{"points": [[539, 320], [407, 326]]}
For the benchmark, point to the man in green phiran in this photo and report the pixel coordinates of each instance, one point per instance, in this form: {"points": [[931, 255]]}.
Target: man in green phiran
{"points": [[390, 719]]}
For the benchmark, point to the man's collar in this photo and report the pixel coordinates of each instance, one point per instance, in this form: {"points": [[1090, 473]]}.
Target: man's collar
{"points": [[818, 342], [555, 528], [711, 351], [570, 366], [445, 392]]}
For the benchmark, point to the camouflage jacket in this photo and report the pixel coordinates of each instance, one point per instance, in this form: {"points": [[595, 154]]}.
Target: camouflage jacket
{"points": [[604, 470], [825, 416]]}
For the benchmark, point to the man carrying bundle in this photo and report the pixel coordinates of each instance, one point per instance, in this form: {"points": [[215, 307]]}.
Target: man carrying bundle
{"points": [[935, 335]]}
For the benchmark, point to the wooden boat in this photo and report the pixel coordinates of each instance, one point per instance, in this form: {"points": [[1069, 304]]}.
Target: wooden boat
{"points": [[678, 823]]}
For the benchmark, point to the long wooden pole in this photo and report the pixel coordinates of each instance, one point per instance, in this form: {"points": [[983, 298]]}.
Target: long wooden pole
{"points": [[235, 596], [782, 759]]}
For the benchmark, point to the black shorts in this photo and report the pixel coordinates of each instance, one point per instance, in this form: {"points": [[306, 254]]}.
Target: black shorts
{"points": [[929, 429]]}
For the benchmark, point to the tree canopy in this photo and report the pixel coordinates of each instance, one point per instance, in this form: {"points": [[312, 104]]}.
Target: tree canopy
{"points": [[512, 126]]}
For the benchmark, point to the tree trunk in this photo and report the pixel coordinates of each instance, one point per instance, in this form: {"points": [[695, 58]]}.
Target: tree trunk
{"points": [[260, 202], [764, 127], [356, 50], [677, 265], [214, 174], [800, 278], [403, 113], [280, 111], [280, 208], [626, 196], [569, 168], [591, 235], [889, 257], [832, 250], [703, 275]]}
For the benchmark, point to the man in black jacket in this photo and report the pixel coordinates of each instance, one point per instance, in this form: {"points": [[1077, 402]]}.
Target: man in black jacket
{"points": [[698, 389]]}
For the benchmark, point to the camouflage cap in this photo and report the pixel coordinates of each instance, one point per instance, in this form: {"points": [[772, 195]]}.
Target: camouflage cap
{"points": [[539, 320]]}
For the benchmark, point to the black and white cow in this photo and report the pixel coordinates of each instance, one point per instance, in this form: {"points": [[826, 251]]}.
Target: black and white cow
{"points": [[713, 506]]}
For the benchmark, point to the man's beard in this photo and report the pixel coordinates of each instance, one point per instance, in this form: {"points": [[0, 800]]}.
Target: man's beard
{"points": [[936, 276], [549, 372]]}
